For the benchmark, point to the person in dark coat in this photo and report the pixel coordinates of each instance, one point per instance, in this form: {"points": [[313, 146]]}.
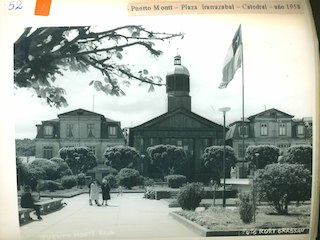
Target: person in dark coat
{"points": [[105, 192], [27, 201]]}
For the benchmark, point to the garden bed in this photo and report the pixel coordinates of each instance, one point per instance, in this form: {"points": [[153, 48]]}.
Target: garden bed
{"points": [[65, 193], [72, 192], [167, 192], [206, 203], [217, 221]]}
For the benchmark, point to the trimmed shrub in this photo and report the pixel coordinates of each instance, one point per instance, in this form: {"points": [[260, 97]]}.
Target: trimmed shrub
{"points": [[42, 185], [148, 181], [190, 196], [81, 179], [281, 183], [299, 154], [49, 185], [112, 180], [119, 157], [48, 166], [176, 181], [246, 207], [33, 175], [69, 181], [267, 154], [167, 159], [79, 159], [53, 185], [129, 177], [213, 160], [63, 168]]}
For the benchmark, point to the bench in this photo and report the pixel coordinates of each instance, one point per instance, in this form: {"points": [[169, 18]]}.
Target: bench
{"points": [[46, 206], [24, 214], [49, 205]]}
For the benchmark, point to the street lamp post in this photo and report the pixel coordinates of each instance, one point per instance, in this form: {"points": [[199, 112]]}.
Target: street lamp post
{"points": [[224, 110]]}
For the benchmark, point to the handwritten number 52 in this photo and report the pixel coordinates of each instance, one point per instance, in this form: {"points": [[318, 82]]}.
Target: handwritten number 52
{"points": [[15, 5]]}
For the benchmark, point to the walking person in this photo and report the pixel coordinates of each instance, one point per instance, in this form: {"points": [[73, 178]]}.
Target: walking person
{"points": [[27, 201], [120, 190], [105, 192], [94, 193]]}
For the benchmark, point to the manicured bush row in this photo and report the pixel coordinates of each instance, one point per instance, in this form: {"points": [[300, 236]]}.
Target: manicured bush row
{"points": [[176, 181]]}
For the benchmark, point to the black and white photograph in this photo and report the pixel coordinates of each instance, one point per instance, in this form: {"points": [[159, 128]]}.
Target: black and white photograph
{"points": [[165, 126]]}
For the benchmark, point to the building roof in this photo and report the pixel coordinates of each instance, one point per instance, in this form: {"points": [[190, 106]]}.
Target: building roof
{"points": [[239, 121], [269, 112], [80, 111], [167, 115], [52, 120]]}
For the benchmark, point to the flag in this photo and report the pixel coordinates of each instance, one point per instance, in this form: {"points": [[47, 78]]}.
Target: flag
{"points": [[233, 59]]}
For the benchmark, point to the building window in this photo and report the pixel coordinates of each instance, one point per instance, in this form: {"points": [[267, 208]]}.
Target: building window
{"points": [[69, 130], [112, 131], [300, 130], [179, 143], [48, 130], [282, 129], [90, 129], [243, 130], [264, 129], [47, 152]]}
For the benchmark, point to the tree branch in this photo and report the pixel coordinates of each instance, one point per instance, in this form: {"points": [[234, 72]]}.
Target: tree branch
{"points": [[153, 51]]}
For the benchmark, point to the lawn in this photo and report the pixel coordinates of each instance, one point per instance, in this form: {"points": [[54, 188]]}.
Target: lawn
{"points": [[220, 219]]}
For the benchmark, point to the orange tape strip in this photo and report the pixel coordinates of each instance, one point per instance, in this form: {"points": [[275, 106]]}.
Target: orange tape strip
{"points": [[42, 7]]}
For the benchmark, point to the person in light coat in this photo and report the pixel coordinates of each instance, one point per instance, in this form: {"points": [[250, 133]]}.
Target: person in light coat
{"points": [[94, 193]]}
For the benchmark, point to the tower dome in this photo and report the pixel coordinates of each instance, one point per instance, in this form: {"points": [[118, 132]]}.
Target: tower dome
{"points": [[177, 67], [178, 86]]}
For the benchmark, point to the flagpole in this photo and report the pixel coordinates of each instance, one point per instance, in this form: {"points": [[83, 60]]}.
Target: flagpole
{"points": [[231, 64], [243, 147]]}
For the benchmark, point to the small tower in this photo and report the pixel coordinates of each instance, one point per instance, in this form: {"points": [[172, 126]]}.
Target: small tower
{"points": [[178, 86]]}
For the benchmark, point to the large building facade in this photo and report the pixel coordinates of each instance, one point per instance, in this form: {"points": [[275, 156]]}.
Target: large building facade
{"points": [[178, 126], [270, 127], [78, 128]]}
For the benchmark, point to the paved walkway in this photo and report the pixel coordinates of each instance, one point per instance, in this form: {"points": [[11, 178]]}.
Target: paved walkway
{"points": [[129, 216]]}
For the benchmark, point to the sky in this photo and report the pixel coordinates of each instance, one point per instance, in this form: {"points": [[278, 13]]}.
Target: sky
{"points": [[278, 71]]}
